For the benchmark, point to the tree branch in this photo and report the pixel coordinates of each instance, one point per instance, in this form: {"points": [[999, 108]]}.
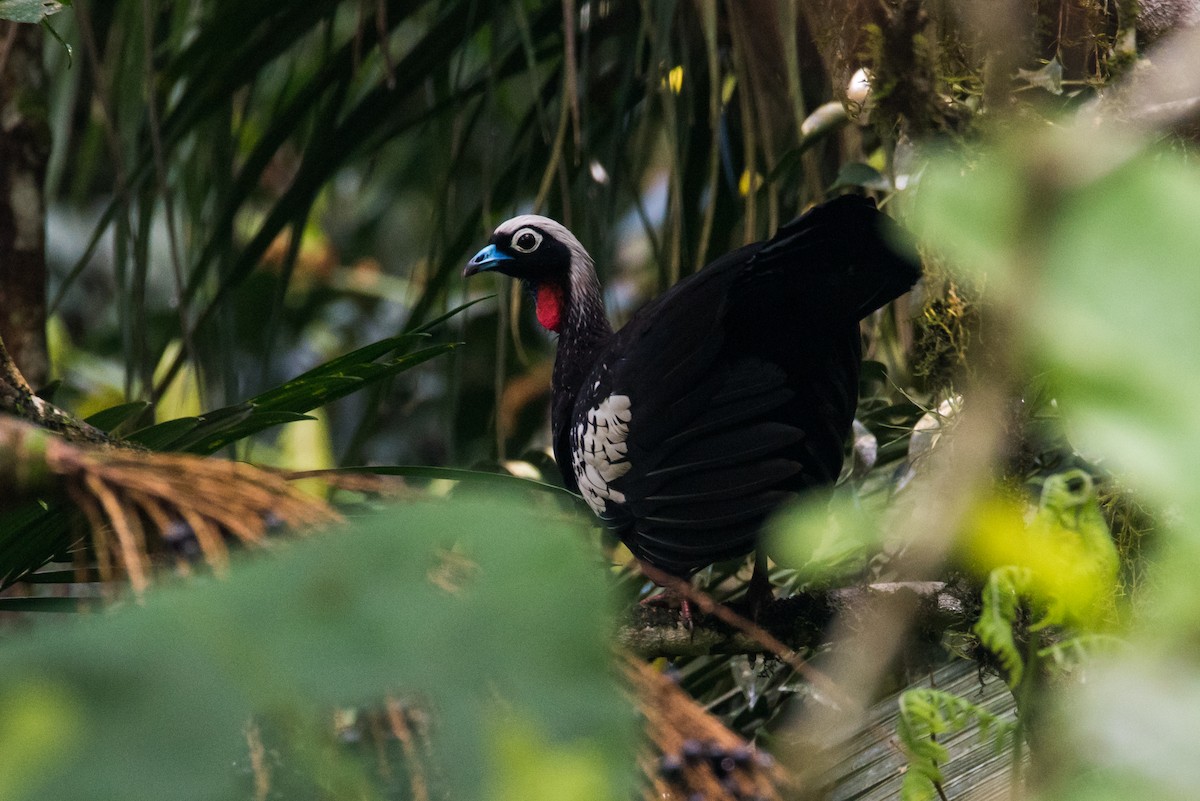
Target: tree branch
{"points": [[24, 152], [17, 399], [799, 622]]}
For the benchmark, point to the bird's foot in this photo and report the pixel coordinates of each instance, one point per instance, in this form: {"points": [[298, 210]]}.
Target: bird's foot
{"points": [[671, 599]]}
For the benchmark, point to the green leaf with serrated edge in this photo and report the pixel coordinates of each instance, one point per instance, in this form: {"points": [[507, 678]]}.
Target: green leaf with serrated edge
{"points": [[926, 713], [1001, 601]]}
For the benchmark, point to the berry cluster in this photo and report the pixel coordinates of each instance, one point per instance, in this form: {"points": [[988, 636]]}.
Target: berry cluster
{"points": [[733, 769]]}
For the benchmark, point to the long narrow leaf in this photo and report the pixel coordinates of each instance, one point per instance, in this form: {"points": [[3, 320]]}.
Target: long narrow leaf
{"points": [[441, 318], [110, 418], [290, 402], [259, 421], [457, 474], [161, 436], [41, 604], [41, 535], [318, 387]]}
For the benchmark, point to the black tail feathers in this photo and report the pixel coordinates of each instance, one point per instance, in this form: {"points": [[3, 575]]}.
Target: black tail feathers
{"points": [[849, 257]]}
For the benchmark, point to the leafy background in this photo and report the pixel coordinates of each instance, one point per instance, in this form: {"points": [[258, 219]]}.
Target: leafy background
{"points": [[244, 193]]}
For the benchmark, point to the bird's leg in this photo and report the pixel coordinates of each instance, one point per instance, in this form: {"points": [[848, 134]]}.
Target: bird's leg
{"points": [[685, 614], [671, 599], [759, 593]]}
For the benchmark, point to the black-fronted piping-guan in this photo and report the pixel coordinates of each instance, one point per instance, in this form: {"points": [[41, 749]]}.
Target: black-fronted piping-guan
{"points": [[727, 395]]}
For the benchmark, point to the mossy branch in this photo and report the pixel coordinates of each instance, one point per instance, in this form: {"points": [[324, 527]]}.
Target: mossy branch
{"points": [[18, 400], [798, 622]]}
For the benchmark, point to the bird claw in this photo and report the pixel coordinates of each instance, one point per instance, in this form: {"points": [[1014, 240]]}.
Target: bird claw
{"points": [[685, 614], [670, 599]]}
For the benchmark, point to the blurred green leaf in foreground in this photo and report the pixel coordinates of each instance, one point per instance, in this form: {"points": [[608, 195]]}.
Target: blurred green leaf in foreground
{"points": [[1091, 263], [483, 608], [1102, 275]]}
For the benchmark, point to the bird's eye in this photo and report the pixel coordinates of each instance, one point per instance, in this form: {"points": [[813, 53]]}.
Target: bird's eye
{"points": [[526, 240]]}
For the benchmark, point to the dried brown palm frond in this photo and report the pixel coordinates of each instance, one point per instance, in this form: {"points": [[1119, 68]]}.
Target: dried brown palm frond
{"points": [[142, 505], [688, 752], [697, 753], [385, 486], [407, 723]]}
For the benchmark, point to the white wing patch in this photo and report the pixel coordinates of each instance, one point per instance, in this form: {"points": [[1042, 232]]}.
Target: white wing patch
{"points": [[599, 449]]}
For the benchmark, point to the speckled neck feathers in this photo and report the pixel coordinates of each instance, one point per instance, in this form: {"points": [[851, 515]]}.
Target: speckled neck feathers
{"points": [[583, 323], [585, 328]]}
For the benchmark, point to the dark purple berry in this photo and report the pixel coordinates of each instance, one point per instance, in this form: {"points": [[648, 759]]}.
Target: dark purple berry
{"points": [[670, 767]]}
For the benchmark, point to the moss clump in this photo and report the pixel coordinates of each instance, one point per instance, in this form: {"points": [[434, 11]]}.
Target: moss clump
{"points": [[944, 331]]}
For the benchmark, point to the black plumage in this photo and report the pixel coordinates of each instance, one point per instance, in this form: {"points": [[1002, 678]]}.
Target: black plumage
{"points": [[722, 398]]}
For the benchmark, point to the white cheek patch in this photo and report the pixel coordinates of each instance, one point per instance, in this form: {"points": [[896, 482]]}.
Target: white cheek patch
{"points": [[599, 448]]}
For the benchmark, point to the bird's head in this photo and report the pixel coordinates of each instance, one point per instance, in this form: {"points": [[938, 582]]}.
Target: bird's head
{"points": [[531, 248], [543, 255]]}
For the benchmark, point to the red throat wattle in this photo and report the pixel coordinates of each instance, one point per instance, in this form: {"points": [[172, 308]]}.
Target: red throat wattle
{"points": [[550, 306]]}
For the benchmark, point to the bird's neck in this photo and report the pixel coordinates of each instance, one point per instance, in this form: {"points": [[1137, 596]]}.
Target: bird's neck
{"points": [[583, 331]]}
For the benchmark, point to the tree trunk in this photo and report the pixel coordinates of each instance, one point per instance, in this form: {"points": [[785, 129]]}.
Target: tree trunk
{"points": [[24, 152]]}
